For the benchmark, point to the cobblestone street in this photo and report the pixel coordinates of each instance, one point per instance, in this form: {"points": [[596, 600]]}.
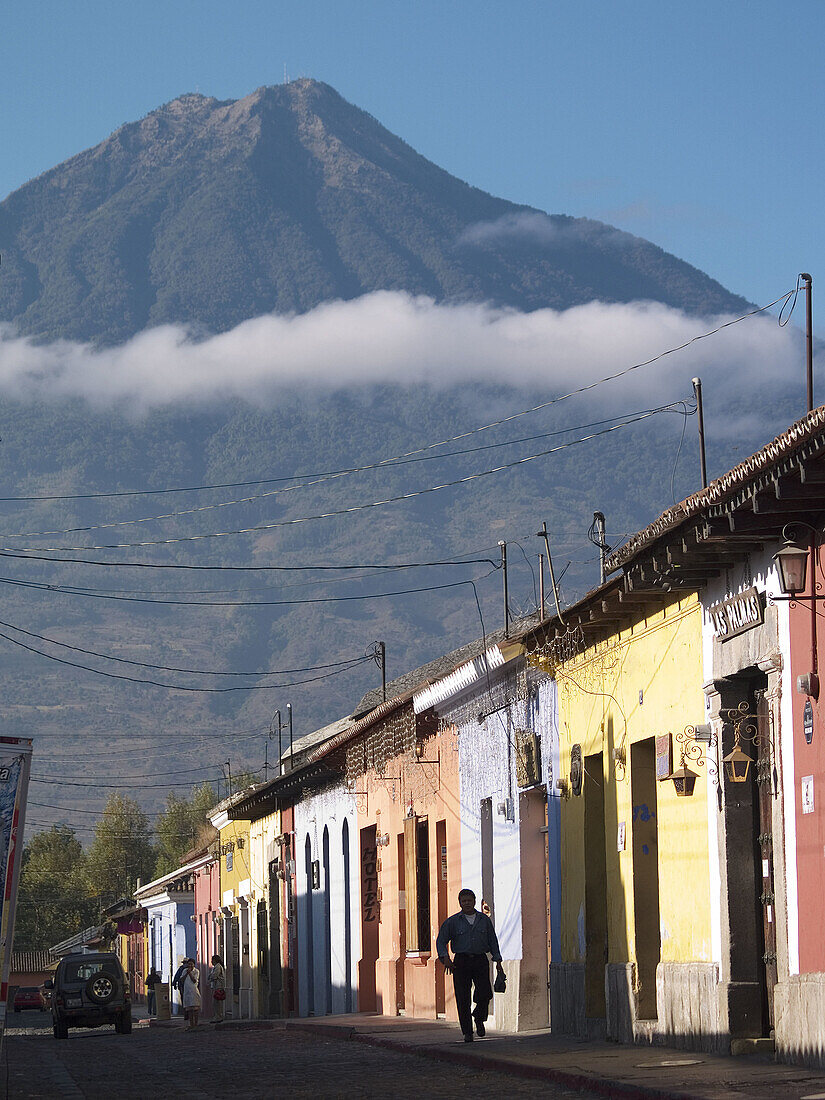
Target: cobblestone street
{"points": [[232, 1064]]}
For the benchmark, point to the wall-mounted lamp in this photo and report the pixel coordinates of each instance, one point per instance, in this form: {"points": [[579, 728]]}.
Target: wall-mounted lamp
{"points": [[737, 763], [684, 780], [563, 786], [792, 564]]}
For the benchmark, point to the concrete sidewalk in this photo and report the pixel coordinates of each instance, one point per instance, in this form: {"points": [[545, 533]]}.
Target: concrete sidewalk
{"points": [[607, 1068]]}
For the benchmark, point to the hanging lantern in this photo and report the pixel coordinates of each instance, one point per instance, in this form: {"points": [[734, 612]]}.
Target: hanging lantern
{"points": [[737, 764], [791, 562], [684, 780]]}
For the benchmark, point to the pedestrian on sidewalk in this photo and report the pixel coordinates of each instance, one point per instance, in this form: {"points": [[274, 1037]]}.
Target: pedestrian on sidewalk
{"points": [[217, 983], [471, 936], [191, 995], [152, 980]]}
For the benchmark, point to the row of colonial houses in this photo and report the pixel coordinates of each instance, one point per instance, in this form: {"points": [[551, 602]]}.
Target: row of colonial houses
{"points": [[634, 785]]}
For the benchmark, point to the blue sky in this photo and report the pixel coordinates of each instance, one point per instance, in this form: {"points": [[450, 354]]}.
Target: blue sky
{"points": [[696, 125]]}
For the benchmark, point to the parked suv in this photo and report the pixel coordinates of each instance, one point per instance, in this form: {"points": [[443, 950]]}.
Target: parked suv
{"points": [[90, 989]]}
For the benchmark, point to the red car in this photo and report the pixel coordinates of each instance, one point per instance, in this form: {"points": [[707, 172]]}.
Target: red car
{"points": [[27, 996]]}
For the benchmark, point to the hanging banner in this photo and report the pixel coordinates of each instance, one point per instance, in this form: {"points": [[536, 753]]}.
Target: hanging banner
{"points": [[15, 766]]}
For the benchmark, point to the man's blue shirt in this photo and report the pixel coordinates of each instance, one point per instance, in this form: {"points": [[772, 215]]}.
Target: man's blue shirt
{"points": [[472, 939]]}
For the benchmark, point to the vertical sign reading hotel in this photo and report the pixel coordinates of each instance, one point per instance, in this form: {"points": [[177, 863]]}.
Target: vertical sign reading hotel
{"points": [[15, 765], [369, 881]]}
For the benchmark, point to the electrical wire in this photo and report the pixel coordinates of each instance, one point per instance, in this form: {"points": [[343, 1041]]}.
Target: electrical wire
{"points": [[141, 775], [170, 687], [343, 665], [111, 786], [384, 464], [430, 446], [68, 590], [352, 508]]}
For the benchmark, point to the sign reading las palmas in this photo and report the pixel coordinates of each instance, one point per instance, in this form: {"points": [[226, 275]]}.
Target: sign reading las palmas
{"points": [[736, 615]]}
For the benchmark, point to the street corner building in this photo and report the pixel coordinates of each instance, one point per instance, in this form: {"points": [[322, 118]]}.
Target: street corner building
{"points": [[691, 840]]}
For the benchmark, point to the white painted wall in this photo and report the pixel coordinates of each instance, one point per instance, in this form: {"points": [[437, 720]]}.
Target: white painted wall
{"points": [[330, 809]]}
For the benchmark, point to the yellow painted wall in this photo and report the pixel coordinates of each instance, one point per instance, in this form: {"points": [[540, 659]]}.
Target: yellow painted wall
{"points": [[262, 848], [600, 708], [232, 833]]}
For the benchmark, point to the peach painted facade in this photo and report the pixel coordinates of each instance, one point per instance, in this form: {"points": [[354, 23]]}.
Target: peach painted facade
{"points": [[410, 845]]}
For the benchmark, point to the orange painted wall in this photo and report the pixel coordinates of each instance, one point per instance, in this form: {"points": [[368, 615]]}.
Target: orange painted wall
{"points": [[409, 982]]}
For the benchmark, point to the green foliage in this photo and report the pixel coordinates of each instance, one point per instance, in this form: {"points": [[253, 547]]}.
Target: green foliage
{"points": [[55, 898], [122, 850], [182, 826]]}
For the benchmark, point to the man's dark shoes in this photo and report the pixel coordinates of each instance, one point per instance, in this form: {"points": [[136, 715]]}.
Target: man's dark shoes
{"points": [[468, 1038], [480, 1029]]}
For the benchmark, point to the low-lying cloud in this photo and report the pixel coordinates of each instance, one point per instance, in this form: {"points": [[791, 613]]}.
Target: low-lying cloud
{"points": [[392, 337], [531, 227]]}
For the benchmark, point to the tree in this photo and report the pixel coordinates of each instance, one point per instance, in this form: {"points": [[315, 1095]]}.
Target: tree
{"points": [[55, 899], [122, 851], [184, 825]]}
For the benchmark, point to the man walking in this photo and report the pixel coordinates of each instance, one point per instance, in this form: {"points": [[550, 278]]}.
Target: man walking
{"points": [[471, 936]]}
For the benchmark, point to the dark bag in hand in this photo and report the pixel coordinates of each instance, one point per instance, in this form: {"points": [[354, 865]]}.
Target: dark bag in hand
{"points": [[500, 984]]}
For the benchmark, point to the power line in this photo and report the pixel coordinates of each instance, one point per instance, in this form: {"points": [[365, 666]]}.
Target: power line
{"points": [[430, 446], [141, 775], [112, 786], [321, 479], [80, 810], [342, 665], [171, 687], [352, 508], [69, 590]]}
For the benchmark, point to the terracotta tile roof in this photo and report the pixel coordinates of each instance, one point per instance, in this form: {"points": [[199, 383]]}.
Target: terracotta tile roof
{"points": [[808, 429]]}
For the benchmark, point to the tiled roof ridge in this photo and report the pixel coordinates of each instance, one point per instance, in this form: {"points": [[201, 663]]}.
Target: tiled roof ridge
{"points": [[779, 447]]}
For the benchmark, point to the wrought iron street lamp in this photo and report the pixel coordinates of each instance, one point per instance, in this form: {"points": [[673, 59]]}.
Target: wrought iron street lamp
{"points": [[792, 564]]}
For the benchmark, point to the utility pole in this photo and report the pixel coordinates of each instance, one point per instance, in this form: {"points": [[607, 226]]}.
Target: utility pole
{"points": [[289, 722], [809, 339], [503, 548], [381, 657], [700, 423], [542, 534], [598, 519], [541, 587]]}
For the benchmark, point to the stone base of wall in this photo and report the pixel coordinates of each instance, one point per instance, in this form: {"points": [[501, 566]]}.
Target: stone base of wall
{"points": [[687, 999], [799, 1014], [567, 999], [619, 986], [524, 1006]]}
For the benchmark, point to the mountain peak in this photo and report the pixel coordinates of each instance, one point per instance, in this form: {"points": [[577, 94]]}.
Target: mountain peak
{"points": [[208, 212]]}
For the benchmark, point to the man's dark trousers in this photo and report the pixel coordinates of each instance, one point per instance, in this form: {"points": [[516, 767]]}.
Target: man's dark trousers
{"points": [[470, 970]]}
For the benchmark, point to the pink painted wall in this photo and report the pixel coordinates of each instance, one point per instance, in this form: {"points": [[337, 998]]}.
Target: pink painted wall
{"points": [[809, 760]]}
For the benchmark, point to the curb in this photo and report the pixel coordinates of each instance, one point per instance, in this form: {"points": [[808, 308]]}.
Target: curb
{"points": [[602, 1085]]}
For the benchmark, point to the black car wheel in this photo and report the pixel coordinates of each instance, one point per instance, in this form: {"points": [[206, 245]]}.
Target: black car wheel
{"points": [[102, 987]]}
